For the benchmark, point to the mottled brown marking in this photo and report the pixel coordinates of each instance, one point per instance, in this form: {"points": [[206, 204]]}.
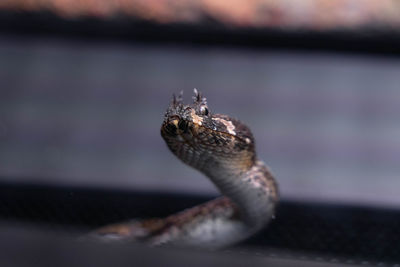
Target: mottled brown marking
{"points": [[230, 128], [137, 229], [186, 217], [195, 118]]}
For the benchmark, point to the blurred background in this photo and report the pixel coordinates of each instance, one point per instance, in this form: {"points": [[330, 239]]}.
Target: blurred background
{"points": [[84, 86]]}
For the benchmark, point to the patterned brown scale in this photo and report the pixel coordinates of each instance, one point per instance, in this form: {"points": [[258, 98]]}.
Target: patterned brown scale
{"points": [[223, 149]]}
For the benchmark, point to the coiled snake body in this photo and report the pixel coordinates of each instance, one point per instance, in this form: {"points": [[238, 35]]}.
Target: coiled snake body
{"points": [[223, 149]]}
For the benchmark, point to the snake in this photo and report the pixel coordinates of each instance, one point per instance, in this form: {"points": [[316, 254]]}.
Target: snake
{"points": [[223, 149]]}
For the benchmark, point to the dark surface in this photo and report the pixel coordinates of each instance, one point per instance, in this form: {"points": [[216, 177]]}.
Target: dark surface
{"points": [[345, 233], [60, 250]]}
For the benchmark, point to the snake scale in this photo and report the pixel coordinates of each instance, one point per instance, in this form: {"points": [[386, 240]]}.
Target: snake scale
{"points": [[223, 149]]}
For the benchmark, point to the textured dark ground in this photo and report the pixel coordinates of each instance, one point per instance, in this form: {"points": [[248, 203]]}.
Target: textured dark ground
{"points": [[59, 250], [307, 231]]}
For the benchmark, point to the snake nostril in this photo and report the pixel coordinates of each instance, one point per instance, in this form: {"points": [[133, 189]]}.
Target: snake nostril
{"points": [[170, 128], [183, 125]]}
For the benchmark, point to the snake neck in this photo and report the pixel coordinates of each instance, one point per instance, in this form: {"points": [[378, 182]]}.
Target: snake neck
{"points": [[254, 191]]}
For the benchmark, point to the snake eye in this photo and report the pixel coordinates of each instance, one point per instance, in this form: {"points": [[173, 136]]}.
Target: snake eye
{"points": [[183, 125], [204, 110]]}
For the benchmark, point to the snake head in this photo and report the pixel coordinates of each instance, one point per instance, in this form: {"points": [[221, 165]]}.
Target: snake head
{"points": [[197, 110], [191, 129], [180, 119]]}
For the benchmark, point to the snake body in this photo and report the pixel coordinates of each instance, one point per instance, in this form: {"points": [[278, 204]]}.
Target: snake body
{"points": [[223, 149]]}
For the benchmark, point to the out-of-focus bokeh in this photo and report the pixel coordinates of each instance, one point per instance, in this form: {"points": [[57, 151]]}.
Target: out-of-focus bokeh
{"points": [[88, 113], [306, 14], [84, 86]]}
